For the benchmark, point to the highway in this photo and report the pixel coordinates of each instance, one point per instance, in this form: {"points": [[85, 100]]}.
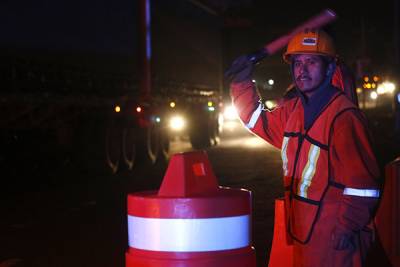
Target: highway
{"points": [[79, 219], [66, 216]]}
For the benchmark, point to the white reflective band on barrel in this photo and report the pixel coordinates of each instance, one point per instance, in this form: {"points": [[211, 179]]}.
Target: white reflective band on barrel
{"points": [[361, 192], [254, 117], [189, 235]]}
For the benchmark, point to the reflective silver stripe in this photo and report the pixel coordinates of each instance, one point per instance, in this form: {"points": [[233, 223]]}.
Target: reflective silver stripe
{"points": [[361, 192], [309, 170], [254, 117], [284, 156], [189, 235]]}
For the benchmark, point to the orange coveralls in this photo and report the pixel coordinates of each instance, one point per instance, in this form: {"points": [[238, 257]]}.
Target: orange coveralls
{"points": [[330, 173]]}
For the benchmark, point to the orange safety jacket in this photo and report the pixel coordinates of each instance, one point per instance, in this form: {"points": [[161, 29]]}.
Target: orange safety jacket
{"points": [[331, 162]]}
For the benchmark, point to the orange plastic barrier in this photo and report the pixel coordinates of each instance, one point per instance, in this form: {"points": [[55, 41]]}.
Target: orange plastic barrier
{"points": [[281, 252], [388, 215], [190, 221]]}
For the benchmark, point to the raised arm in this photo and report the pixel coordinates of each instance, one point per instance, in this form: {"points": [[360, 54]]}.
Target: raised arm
{"points": [[269, 125]]}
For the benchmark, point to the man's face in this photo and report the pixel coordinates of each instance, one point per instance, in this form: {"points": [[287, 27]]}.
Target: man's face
{"points": [[309, 72]]}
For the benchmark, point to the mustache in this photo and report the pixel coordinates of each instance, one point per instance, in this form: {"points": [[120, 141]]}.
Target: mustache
{"points": [[303, 77]]}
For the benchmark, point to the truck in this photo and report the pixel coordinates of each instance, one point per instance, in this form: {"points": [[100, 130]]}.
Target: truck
{"points": [[107, 84]]}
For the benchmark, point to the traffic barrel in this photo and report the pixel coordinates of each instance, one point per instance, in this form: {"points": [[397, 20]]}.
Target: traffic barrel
{"points": [[190, 221], [388, 215], [281, 254]]}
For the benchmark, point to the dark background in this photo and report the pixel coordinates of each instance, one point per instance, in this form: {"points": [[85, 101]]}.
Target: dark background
{"points": [[57, 214], [364, 30]]}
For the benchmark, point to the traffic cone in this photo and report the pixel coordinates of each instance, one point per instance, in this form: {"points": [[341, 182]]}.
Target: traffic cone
{"points": [[190, 221], [282, 251], [388, 216]]}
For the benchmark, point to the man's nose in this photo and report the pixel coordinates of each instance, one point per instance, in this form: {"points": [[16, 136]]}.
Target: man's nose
{"points": [[303, 68]]}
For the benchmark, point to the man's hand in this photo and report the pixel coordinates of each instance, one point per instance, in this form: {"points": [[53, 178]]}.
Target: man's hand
{"points": [[240, 70], [342, 240], [242, 67]]}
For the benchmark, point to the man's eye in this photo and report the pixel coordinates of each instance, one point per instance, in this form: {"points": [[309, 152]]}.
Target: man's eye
{"points": [[297, 64]]}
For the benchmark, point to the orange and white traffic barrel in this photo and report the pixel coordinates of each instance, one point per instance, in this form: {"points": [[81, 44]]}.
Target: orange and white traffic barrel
{"points": [[388, 215], [190, 221], [281, 254]]}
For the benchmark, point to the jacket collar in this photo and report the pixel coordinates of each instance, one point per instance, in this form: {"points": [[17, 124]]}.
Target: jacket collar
{"points": [[314, 105]]}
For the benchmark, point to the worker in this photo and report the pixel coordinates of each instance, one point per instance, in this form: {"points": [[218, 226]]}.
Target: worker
{"points": [[330, 172]]}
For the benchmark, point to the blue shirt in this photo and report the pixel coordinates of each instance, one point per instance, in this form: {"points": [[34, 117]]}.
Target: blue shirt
{"points": [[314, 105]]}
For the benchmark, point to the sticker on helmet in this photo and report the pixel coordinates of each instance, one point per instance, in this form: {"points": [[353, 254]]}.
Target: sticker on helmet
{"points": [[310, 41]]}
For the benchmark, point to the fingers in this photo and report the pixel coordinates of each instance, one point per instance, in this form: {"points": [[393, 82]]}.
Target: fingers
{"points": [[242, 60], [239, 64], [257, 56], [240, 69], [236, 66], [342, 242]]}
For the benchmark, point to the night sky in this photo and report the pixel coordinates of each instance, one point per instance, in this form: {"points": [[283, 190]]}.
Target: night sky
{"points": [[362, 30], [109, 26], [68, 24], [377, 18]]}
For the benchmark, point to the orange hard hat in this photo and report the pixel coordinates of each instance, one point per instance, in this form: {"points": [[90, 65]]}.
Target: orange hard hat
{"points": [[312, 41]]}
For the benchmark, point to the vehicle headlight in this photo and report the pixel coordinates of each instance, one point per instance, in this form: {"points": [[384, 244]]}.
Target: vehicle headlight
{"points": [[177, 123], [270, 104], [230, 113]]}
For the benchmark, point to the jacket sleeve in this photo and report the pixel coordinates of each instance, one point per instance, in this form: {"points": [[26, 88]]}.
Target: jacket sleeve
{"points": [[354, 166], [269, 125]]}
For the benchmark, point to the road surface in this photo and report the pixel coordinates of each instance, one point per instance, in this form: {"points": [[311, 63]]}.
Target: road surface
{"points": [[66, 216], [79, 219]]}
